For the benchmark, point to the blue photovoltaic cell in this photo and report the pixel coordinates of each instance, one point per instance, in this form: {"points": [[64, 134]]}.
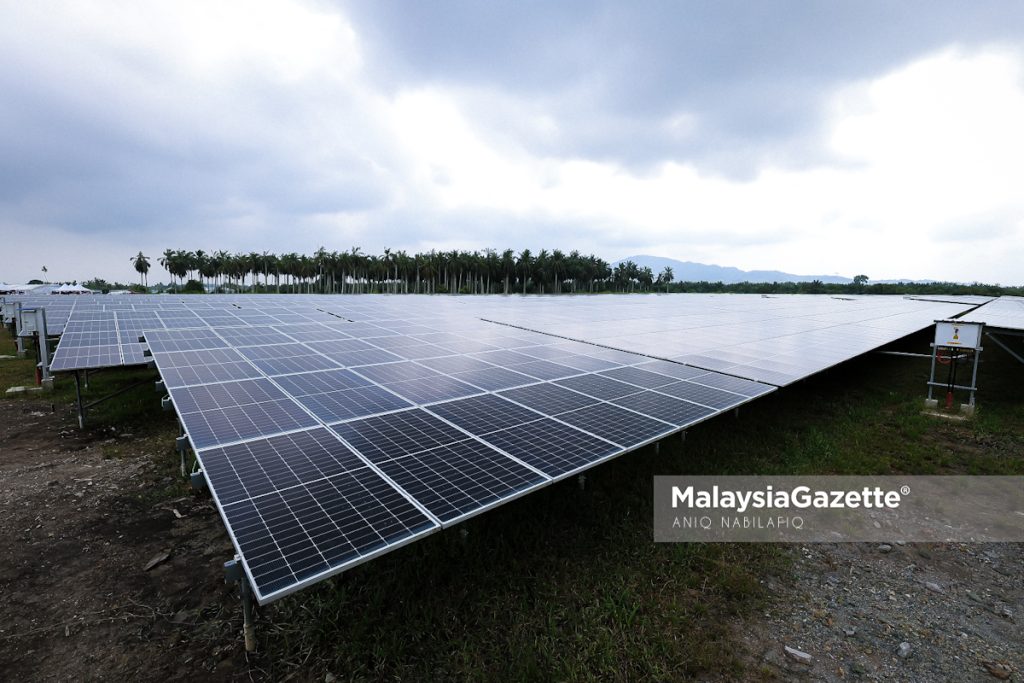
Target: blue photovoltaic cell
{"points": [[235, 423], [708, 396], [666, 408], [494, 379], [320, 382], [586, 363], [346, 404], [339, 346], [599, 386], [421, 351], [456, 364], [161, 341], [254, 468], [734, 384], [354, 359], [85, 357], [543, 369], [458, 479], [548, 398], [396, 372], [504, 358], [431, 389], [385, 437], [293, 364], [671, 369], [286, 537], [484, 414], [552, 447], [617, 424], [252, 336], [641, 378], [225, 395]]}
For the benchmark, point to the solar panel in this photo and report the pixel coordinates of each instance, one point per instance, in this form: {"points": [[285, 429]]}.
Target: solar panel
{"points": [[599, 386], [484, 414], [665, 408], [456, 480], [386, 437], [554, 448], [299, 535], [238, 420], [698, 393], [548, 398], [621, 426], [494, 379], [334, 406]]}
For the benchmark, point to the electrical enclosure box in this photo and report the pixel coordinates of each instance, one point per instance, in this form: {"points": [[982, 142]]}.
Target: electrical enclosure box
{"points": [[28, 322], [958, 334]]}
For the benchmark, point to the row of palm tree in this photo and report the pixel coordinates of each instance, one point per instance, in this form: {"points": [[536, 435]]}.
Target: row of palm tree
{"points": [[352, 271]]}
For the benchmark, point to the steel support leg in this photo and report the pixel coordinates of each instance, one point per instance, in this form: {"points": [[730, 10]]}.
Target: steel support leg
{"points": [[78, 399], [233, 572]]}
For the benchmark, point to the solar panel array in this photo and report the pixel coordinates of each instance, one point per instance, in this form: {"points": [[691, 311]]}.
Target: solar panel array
{"points": [[1006, 312], [326, 442], [776, 339], [332, 429]]}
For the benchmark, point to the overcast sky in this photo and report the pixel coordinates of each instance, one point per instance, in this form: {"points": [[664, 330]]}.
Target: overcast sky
{"points": [[884, 138]]}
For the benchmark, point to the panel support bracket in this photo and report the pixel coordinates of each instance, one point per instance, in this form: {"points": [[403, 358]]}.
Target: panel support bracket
{"points": [[233, 573]]}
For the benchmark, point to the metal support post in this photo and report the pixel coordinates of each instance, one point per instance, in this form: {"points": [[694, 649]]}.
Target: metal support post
{"points": [[233, 573], [78, 401], [17, 332], [931, 375], [1004, 346], [582, 481], [974, 375]]}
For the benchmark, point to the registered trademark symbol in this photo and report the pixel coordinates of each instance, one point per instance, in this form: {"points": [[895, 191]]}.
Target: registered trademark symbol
{"points": [[905, 490]]}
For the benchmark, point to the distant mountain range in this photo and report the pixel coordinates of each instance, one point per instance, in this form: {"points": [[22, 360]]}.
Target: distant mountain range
{"points": [[689, 271]]}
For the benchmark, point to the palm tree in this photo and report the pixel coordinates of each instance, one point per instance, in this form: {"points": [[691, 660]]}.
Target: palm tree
{"points": [[45, 271], [666, 277], [525, 265], [141, 263]]}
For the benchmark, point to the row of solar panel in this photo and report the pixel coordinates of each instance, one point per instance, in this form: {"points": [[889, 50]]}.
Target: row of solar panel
{"points": [[433, 440]]}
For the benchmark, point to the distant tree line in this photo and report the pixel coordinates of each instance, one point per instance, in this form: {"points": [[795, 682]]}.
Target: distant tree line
{"points": [[434, 272], [476, 272]]}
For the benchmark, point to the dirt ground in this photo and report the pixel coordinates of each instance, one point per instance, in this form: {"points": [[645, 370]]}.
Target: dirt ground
{"points": [[78, 528]]}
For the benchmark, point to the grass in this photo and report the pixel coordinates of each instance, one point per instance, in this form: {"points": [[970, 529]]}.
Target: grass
{"points": [[566, 584], [136, 412]]}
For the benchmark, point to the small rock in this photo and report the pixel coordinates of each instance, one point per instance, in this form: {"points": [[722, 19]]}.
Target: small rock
{"points": [[901, 543], [850, 631], [884, 548], [933, 587], [156, 559], [904, 650], [330, 678], [999, 670], [797, 655]]}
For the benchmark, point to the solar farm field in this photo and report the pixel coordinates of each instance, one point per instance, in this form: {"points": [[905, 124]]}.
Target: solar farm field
{"points": [[400, 479]]}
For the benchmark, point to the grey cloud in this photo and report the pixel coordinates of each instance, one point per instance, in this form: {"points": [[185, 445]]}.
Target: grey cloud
{"points": [[753, 74]]}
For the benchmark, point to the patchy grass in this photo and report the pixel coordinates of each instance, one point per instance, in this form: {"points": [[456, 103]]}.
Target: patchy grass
{"points": [[125, 426]]}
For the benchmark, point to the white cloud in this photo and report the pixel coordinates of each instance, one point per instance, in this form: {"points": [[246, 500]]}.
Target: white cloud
{"points": [[275, 101]]}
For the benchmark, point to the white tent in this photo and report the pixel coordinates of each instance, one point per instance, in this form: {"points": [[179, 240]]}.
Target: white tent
{"points": [[71, 289]]}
